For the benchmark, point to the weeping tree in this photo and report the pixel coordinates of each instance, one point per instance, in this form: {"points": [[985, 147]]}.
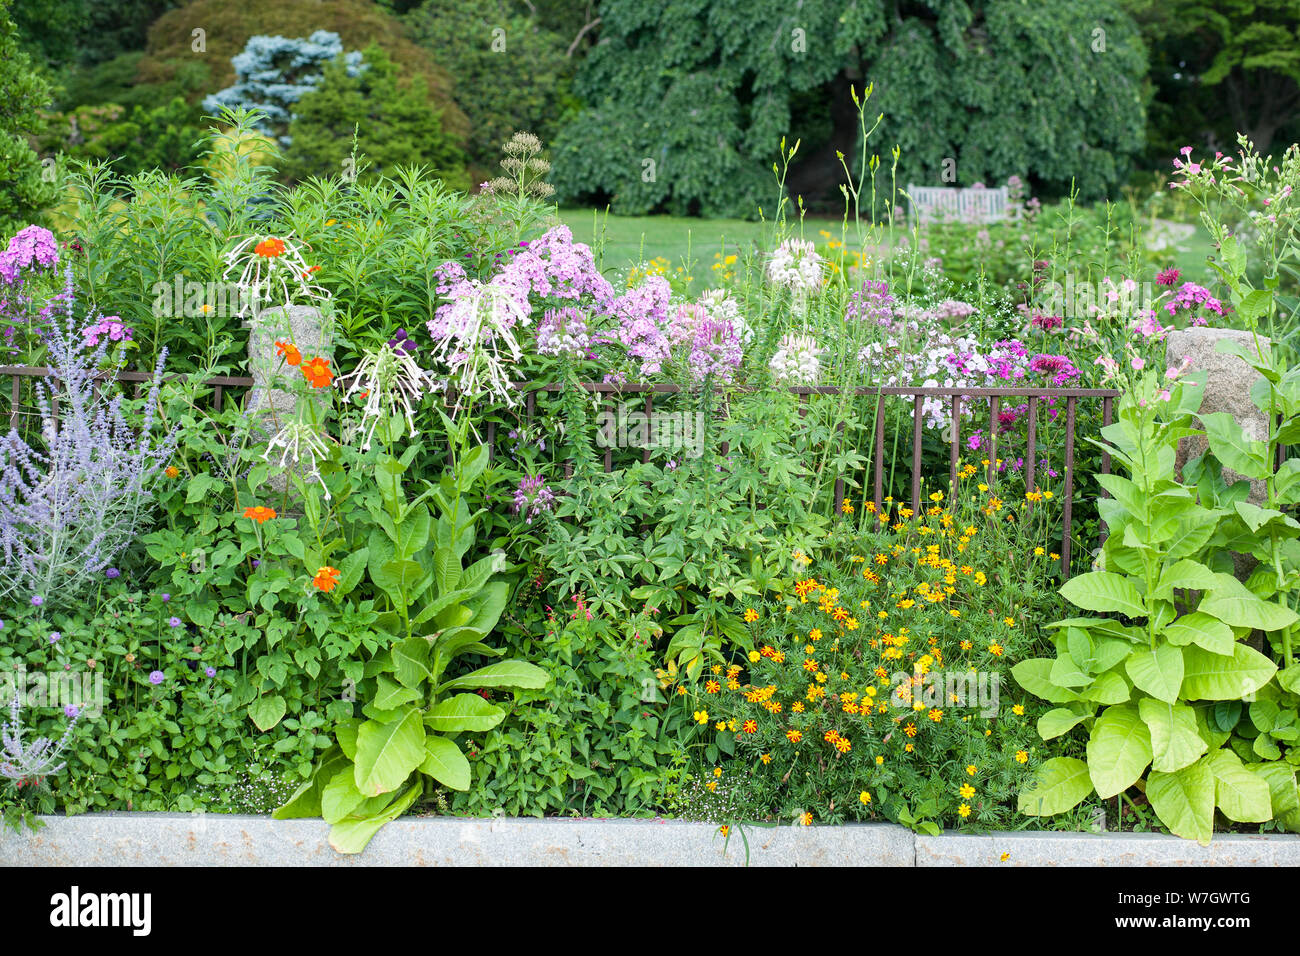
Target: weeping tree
{"points": [[686, 103]]}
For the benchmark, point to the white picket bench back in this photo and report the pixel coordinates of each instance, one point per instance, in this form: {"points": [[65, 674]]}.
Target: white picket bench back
{"points": [[940, 203]]}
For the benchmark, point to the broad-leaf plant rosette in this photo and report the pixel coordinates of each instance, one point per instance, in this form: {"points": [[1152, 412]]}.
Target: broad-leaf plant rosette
{"points": [[1176, 700]]}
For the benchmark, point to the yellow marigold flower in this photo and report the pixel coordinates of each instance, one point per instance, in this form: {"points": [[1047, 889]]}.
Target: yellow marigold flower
{"points": [[909, 747], [717, 771], [681, 692], [1022, 756], [995, 649], [910, 730], [864, 797], [964, 810], [879, 760], [794, 736], [721, 725], [1054, 556], [701, 716], [1048, 495], [806, 819], [1009, 621], [712, 785], [1018, 709], [967, 791], [753, 657], [712, 687], [766, 758], [814, 635], [970, 769], [750, 616]]}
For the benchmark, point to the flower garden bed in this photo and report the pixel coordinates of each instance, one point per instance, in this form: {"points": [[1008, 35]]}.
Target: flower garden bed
{"points": [[389, 591]]}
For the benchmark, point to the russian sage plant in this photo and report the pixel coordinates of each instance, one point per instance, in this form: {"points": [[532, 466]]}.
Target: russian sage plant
{"points": [[73, 498]]}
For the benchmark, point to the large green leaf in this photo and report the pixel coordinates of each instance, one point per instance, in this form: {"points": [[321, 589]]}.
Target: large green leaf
{"points": [[1186, 574], [387, 752], [1231, 603], [513, 674], [1209, 676], [1175, 740], [1230, 445], [1242, 795], [1059, 785], [410, 661], [1158, 672], [353, 833], [445, 763], [1201, 629], [1057, 721], [1184, 801], [1034, 675], [267, 711], [341, 796], [1118, 750], [463, 712], [306, 800], [1104, 591]]}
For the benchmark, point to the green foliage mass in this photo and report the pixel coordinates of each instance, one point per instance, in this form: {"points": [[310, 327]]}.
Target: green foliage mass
{"points": [[511, 73], [395, 123], [707, 90], [23, 191]]}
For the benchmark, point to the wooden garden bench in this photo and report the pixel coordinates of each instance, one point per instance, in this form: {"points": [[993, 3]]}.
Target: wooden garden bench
{"points": [[940, 203]]}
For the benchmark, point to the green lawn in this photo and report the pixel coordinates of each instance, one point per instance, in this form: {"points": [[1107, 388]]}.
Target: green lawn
{"points": [[690, 244]]}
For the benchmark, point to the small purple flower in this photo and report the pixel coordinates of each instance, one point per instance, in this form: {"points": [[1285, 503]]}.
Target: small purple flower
{"points": [[210, 671], [37, 600], [55, 637], [166, 598], [156, 678], [112, 573], [71, 711], [256, 563], [174, 622]]}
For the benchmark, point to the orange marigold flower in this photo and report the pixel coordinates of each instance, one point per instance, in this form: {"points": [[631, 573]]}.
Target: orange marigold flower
{"points": [[290, 352], [317, 372], [271, 248], [326, 578], [750, 726], [171, 471], [259, 514], [794, 736], [712, 687]]}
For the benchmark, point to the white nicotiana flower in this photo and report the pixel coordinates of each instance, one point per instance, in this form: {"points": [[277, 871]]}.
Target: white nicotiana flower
{"points": [[300, 440], [389, 381], [796, 265], [797, 360], [267, 265], [478, 342]]}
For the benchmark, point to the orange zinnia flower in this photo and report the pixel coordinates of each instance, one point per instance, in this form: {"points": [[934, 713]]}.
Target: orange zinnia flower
{"points": [[307, 274], [289, 351], [270, 248], [317, 372], [259, 514], [326, 578]]}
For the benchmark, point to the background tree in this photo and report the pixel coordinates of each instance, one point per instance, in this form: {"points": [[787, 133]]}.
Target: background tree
{"points": [[273, 73], [687, 103], [395, 123], [510, 72], [23, 93], [1220, 67]]}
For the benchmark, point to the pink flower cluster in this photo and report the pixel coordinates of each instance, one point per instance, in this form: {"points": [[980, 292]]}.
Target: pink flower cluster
{"points": [[33, 246], [1191, 298], [111, 326]]}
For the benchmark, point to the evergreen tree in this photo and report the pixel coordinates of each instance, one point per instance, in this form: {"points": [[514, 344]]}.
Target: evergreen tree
{"points": [[395, 123]]}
